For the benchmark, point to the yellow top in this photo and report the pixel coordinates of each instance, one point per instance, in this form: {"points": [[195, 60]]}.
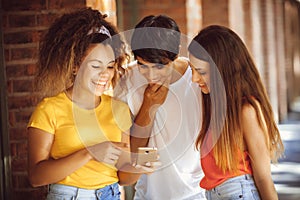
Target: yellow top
{"points": [[75, 128]]}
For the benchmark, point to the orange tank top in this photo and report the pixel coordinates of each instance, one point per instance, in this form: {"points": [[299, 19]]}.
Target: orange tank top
{"points": [[213, 175]]}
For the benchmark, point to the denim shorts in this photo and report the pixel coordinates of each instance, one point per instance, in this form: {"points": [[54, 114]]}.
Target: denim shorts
{"points": [[239, 187], [64, 192]]}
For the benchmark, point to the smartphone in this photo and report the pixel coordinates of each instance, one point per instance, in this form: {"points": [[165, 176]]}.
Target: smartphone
{"points": [[146, 154]]}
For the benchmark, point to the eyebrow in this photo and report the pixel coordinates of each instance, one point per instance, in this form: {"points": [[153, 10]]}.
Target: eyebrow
{"points": [[197, 68]]}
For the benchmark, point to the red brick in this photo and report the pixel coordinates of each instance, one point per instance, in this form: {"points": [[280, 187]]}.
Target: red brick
{"points": [[215, 12], [11, 119], [23, 53], [19, 164], [22, 86], [18, 38], [36, 35], [16, 71], [18, 133], [21, 180], [19, 102], [66, 4], [13, 150], [46, 19], [9, 87], [22, 21], [22, 116], [4, 21], [17, 5], [31, 193], [7, 54], [31, 69]]}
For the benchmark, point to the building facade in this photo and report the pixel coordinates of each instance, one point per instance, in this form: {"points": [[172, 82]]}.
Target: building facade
{"points": [[270, 29]]}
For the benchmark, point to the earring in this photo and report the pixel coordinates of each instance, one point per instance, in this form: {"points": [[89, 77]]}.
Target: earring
{"points": [[74, 71]]}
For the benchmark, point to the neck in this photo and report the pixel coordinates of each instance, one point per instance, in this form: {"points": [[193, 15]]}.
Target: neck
{"points": [[85, 101], [180, 66]]}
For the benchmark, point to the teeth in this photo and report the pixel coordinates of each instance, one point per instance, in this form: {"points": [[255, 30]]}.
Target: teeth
{"points": [[102, 83]]}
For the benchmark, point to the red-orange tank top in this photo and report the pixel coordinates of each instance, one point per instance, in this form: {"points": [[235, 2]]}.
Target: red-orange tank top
{"points": [[213, 175]]}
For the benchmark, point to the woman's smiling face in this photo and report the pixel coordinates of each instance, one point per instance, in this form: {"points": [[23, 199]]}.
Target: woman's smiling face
{"points": [[201, 73], [97, 70]]}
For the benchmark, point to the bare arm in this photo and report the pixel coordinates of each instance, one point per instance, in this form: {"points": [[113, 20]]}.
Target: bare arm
{"points": [[154, 96], [127, 173], [260, 157], [43, 170]]}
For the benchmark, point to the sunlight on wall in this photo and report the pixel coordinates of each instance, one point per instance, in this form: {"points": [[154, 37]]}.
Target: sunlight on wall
{"points": [[106, 7]]}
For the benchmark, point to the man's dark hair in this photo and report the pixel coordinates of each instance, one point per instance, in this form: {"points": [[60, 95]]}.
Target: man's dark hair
{"points": [[156, 39]]}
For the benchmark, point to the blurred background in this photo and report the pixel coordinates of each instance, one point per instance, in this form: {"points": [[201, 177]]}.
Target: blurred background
{"points": [[270, 29]]}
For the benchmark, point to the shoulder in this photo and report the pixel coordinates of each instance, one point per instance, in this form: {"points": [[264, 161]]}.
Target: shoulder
{"points": [[253, 122], [181, 64], [249, 113], [52, 101]]}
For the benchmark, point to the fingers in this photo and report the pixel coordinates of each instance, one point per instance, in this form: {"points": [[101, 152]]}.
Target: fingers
{"points": [[121, 144], [107, 152], [149, 167], [159, 87]]}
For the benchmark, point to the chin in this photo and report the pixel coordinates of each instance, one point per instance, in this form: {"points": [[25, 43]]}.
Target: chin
{"points": [[204, 91], [98, 93]]}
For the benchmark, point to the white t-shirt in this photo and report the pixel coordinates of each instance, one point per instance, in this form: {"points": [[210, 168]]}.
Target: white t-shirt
{"points": [[175, 128]]}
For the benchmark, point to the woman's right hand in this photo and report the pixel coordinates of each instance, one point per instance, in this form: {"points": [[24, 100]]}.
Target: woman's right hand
{"points": [[107, 152]]}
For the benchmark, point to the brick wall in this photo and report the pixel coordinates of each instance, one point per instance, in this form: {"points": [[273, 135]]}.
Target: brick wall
{"points": [[24, 22], [135, 10]]}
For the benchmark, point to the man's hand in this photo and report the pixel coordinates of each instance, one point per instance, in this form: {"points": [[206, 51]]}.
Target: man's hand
{"points": [[155, 94]]}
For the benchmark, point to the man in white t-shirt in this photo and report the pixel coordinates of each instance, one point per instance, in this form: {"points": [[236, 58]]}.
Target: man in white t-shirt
{"points": [[166, 109]]}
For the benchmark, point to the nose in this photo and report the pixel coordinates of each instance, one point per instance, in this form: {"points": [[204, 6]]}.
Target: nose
{"points": [[151, 74], [196, 77], [104, 74]]}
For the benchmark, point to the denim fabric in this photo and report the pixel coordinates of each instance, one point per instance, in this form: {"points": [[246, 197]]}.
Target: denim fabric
{"points": [[240, 187], [64, 192]]}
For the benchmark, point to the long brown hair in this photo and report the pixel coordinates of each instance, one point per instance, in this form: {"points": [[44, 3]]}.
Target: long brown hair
{"points": [[242, 85], [65, 45]]}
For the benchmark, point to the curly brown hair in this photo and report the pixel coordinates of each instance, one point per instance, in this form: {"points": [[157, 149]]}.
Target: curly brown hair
{"points": [[65, 45]]}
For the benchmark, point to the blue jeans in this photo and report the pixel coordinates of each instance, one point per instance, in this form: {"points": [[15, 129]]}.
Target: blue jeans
{"points": [[239, 187], [64, 192]]}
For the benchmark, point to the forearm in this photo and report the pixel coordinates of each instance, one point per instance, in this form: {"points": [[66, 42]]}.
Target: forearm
{"points": [[266, 188], [142, 127], [51, 171], [139, 137], [128, 178]]}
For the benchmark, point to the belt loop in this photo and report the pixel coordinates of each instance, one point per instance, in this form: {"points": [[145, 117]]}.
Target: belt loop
{"points": [[98, 193], [113, 189], [248, 177], [77, 194]]}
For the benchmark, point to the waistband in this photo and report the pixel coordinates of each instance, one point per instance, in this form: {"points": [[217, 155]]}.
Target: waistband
{"points": [[71, 190], [247, 177]]}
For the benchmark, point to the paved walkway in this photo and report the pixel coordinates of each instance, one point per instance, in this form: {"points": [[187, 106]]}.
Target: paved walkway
{"points": [[286, 174]]}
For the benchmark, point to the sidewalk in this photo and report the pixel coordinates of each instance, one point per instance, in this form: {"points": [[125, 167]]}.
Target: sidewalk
{"points": [[286, 174]]}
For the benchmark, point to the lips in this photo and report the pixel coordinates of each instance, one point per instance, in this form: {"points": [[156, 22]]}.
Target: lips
{"points": [[100, 83]]}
